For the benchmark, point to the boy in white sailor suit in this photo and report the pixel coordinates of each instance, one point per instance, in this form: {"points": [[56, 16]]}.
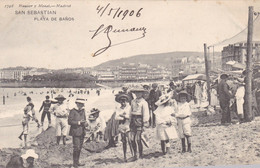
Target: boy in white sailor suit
{"points": [[183, 114]]}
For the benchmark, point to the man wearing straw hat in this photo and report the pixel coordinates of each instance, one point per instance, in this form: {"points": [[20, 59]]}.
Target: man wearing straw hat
{"points": [[61, 111], [77, 120], [139, 117]]}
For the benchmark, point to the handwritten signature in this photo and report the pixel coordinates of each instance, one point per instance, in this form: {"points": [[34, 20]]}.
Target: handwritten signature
{"points": [[106, 30]]}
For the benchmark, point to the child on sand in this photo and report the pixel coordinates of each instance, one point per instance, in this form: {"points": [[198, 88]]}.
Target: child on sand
{"points": [[30, 156], [183, 114], [95, 125], [122, 115], [26, 118], [165, 123], [139, 118]]}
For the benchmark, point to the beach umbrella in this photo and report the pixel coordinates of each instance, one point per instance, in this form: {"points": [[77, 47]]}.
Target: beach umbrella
{"points": [[230, 62], [239, 65], [195, 77]]}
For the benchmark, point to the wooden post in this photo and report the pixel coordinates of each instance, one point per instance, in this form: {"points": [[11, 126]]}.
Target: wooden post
{"points": [[207, 72], [248, 89], [213, 61]]}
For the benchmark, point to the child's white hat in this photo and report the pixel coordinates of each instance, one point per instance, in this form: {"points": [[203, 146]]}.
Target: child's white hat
{"points": [[163, 99], [30, 153]]}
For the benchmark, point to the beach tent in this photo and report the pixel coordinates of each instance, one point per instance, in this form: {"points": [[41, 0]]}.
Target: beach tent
{"points": [[241, 37]]}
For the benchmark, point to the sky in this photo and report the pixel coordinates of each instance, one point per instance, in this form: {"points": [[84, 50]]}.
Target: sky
{"points": [[169, 26]]}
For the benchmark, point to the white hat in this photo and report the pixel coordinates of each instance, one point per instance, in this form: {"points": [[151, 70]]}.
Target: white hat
{"points": [[163, 99], [60, 97], [81, 100], [30, 153]]}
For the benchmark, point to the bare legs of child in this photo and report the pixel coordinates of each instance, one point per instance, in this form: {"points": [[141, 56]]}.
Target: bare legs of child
{"points": [[123, 135], [137, 138]]}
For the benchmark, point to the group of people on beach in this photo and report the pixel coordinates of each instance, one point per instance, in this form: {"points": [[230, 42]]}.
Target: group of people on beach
{"points": [[231, 95], [137, 109], [141, 108]]}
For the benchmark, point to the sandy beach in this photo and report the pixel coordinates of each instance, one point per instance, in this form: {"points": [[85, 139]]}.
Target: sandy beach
{"points": [[212, 143]]}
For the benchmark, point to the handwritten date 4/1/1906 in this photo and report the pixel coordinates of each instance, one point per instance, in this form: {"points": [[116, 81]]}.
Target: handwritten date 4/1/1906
{"points": [[109, 29]]}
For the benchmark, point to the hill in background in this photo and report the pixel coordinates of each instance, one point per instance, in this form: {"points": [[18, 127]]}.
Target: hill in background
{"points": [[162, 59]]}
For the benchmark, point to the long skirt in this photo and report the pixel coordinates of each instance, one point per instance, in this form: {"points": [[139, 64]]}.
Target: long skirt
{"points": [[111, 128]]}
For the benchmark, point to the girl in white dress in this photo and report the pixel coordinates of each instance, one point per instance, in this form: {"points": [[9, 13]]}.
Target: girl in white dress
{"points": [[165, 123]]}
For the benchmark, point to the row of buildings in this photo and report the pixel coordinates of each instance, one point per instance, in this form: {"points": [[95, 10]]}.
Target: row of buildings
{"points": [[237, 52], [136, 71], [18, 73], [126, 71], [132, 71]]}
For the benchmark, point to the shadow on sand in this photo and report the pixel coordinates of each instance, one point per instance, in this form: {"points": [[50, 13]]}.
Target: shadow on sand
{"points": [[108, 160], [120, 160], [153, 155], [204, 120]]}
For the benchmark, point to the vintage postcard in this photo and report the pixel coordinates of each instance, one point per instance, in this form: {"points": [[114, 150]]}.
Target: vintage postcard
{"points": [[113, 83]]}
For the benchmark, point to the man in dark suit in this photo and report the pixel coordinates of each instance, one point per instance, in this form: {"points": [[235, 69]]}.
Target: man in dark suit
{"points": [[154, 95], [224, 97], [77, 121]]}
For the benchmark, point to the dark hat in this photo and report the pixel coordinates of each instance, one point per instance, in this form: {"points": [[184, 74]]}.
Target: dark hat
{"points": [[244, 73], [154, 85], [223, 76], [60, 97], [94, 110], [139, 89], [121, 96], [172, 83], [47, 97], [183, 93], [146, 87], [124, 87]]}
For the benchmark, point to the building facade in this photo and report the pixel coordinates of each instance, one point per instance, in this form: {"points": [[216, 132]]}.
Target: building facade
{"points": [[14, 73], [132, 71], [237, 52]]}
